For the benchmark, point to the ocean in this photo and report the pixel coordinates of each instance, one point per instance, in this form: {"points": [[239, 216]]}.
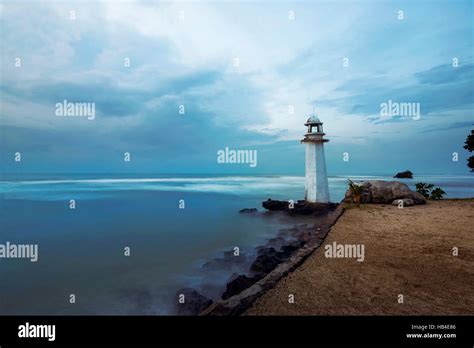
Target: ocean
{"points": [[173, 225]]}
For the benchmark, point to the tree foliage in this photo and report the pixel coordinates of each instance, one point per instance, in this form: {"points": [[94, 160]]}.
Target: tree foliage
{"points": [[424, 189], [437, 193], [469, 146], [429, 191]]}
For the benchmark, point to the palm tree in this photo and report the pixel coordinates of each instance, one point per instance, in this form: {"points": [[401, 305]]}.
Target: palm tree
{"points": [[356, 192], [424, 189], [437, 193]]}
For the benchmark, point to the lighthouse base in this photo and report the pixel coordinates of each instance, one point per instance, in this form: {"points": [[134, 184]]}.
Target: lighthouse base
{"points": [[299, 207]]}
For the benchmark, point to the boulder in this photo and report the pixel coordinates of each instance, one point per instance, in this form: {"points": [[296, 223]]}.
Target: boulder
{"points": [[237, 285], [385, 192], [194, 302], [407, 202], [266, 261], [404, 175], [271, 204], [287, 250], [269, 258], [248, 210]]}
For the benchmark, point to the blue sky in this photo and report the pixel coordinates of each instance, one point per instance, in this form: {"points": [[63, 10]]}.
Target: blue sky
{"points": [[185, 53]]}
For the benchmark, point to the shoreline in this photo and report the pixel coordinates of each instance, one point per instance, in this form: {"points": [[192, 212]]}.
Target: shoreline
{"points": [[240, 301], [408, 252]]}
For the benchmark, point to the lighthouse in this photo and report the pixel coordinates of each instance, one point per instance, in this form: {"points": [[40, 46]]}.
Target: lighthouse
{"points": [[316, 179]]}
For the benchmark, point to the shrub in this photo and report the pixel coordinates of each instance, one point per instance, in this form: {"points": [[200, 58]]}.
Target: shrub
{"points": [[356, 191], [437, 193], [428, 191], [424, 189]]}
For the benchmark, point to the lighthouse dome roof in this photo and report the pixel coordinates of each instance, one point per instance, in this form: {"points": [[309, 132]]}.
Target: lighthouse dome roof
{"points": [[313, 119]]}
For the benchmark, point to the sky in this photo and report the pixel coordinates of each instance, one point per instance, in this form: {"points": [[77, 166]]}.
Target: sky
{"points": [[248, 75]]}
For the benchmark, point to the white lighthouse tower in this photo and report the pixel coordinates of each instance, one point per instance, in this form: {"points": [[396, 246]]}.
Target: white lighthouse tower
{"points": [[316, 180]]}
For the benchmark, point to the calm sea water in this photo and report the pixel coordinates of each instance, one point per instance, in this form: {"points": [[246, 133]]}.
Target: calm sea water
{"points": [[81, 251]]}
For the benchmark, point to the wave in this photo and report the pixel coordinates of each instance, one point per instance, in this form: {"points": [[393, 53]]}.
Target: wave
{"points": [[59, 189], [284, 186], [215, 179], [151, 180]]}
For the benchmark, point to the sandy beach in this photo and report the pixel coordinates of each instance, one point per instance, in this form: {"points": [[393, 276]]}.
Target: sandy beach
{"points": [[408, 252]]}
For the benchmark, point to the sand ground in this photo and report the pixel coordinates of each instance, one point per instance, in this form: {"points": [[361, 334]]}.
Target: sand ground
{"points": [[408, 251]]}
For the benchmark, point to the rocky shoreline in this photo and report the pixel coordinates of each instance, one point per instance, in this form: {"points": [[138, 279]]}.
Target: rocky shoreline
{"points": [[268, 257], [272, 265]]}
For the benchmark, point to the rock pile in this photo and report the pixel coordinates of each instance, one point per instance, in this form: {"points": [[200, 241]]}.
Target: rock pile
{"points": [[386, 192], [299, 207]]}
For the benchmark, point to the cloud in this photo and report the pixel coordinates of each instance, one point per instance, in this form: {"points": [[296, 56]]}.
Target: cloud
{"points": [[456, 125], [284, 65], [446, 74], [112, 97], [437, 89]]}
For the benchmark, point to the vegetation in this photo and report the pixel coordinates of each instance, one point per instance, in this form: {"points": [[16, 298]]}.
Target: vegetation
{"points": [[437, 193], [469, 146], [356, 192], [424, 189], [429, 191]]}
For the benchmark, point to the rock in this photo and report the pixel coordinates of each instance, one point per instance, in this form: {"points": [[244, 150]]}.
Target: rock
{"points": [[194, 303], [271, 204], [269, 258], [385, 192], [305, 236], [299, 207], [237, 285], [248, 211], [407, 202], [287, 250], [265, 262], [404, 175]]}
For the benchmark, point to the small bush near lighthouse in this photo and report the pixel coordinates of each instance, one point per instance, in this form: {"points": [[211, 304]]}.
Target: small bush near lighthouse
{"points": [[356, 191]]}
